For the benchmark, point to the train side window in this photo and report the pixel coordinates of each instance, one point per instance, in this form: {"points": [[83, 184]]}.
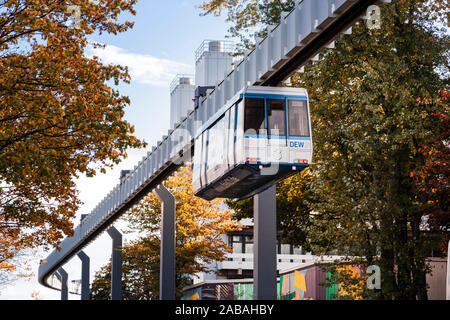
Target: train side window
{"points": [[298, 118], [276, 117], [231, 136], [254, 114], [197, 158], [239, 132], [212, 156], [204, 158], [217, 146], [225, 137]]}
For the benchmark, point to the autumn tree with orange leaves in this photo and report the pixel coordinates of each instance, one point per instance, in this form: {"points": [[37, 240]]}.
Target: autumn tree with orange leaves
{"points": [[200, 225], [60, 116], [433, 177]]}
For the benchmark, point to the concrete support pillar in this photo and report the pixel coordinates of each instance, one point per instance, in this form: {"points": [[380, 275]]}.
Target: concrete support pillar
{"points": [[167, 264], [63, 277], [265, 245], [85, 261], [116, 267]]}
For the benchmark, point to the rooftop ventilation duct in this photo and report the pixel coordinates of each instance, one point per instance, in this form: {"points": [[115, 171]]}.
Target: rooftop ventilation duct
{"points": [[213, 62], [181, 98], [216, 46]]}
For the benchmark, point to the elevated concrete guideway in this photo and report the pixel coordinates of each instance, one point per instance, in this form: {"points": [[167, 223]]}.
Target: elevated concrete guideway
{"points": [[301, 35]]}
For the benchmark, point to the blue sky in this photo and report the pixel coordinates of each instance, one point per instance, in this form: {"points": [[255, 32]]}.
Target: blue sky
{"points": [[166, 35], [161, 45]]}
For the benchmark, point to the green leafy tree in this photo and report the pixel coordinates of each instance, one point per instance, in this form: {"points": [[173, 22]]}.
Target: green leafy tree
{"points": [[369, 125], [249, 18]]}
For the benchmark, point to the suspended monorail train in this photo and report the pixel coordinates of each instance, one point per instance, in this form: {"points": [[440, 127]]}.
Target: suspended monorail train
{"points": [[261, 136]]}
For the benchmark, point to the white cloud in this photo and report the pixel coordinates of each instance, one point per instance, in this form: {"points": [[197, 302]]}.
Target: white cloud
{"points": [[143, 68]]}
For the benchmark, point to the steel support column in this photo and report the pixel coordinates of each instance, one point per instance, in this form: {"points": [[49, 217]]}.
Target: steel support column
{"points": [[116, 267], [265, 245], [167, 264], [85, 261], [63, 278]]}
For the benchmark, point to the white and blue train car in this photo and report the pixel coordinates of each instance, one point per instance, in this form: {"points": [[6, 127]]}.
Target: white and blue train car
{"points": [[261, 136]]}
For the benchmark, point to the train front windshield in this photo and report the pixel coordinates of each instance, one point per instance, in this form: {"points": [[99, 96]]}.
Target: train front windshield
{"points": [[254, 114], [298, 118], [261, 138], [277, 117]]}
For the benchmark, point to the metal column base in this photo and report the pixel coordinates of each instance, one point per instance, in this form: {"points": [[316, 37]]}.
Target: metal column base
{"points": [[116, 264], [85, 291], [265, 245], [63, 277], [167, 264]]}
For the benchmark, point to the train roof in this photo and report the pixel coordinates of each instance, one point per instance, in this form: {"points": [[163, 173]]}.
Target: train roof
{"points": [[251, 89], [276, 90]]}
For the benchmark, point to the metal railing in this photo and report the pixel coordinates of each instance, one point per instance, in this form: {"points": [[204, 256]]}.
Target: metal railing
{"points": [[214, 45], [181, 79]]}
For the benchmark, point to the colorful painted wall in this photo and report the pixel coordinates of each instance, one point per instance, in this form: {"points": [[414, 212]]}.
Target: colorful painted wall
{"points": [[314, 283]]}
